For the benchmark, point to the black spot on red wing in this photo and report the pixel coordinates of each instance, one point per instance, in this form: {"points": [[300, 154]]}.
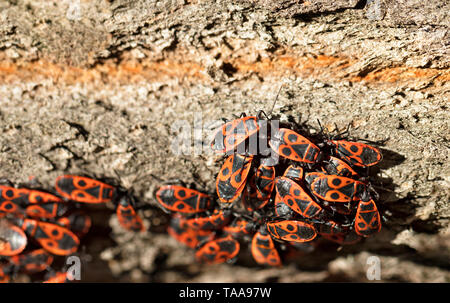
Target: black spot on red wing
{"points": [[292, 138], [181, 193], [55, 232], [9, 193], [225, 172], [82, 183], [286, 151], [354, 148], [334, 196], [9, 206], [361, 225], [180, 206], [238, 178], [38, 198], [336, 181], [289, 227]]}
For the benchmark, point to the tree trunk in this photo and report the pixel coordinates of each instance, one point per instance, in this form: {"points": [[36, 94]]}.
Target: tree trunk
{"points": [[97, 87]]}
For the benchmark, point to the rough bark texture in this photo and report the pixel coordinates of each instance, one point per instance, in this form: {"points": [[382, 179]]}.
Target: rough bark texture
{"points": [[96, 88]]}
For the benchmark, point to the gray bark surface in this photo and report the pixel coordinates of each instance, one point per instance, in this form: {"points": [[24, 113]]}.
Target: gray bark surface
{"points": [[96, 90]]}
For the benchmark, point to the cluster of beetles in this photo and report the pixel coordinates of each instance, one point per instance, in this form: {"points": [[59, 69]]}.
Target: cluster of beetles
{"points": [[280, 189], [38, 226]]}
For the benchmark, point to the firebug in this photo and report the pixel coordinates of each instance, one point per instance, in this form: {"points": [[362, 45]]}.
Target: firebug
{"points": [[183, 200], [294, 146], [337, 189], [291, 230], [356, 153], [263, 249], [232, 178], [218, 251], [186, 235]]}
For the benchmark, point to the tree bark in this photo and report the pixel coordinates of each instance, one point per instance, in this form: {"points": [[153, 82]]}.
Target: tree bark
{"points": [[95, 87]]}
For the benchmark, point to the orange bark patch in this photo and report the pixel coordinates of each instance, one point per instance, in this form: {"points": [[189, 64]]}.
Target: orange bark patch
{"points": [[125, 72], [396, 74], [321, 67]]}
